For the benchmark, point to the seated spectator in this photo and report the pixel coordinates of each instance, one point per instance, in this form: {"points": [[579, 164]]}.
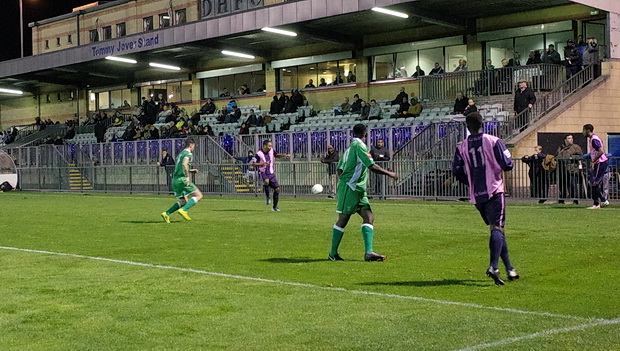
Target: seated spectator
{"points": [[310, 84], [364, 111], [234, 116], [460, 104], [471, 107], [462, 67], [126, 103], [275, 107], [244, 129], [58, 141], [171, 131], [402, 72], [505, 63], [245, 90], [224, 93], [375, 111], [351, 78], [208, 108], [231, 104], [118, 120], [262, 89], [322, 82], [437, 69], [415, 108], [404, 108], [137, 110], [253, 120], [418, 73], [129, 134], [344, 108], [356, 106], [400, 96]]}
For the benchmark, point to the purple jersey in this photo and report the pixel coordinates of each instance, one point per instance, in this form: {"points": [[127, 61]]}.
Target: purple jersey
{"points": [[266, 158], [478, 163], [596, 147]]}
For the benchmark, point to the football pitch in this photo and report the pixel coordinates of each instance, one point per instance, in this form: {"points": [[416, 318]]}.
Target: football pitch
{"points": [[105, 272]]}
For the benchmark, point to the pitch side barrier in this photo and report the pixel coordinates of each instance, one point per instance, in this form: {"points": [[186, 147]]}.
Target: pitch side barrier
{"points": [[427, 179]]}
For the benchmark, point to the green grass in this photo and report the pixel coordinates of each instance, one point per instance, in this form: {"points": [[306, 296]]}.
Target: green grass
{"points": [[569, 266]]}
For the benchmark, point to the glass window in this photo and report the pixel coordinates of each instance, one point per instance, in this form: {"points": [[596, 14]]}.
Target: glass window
{"points": [[107, 32], [180, 16], [121, 30], [305, 74], [210, 88], [288, 78], [559, 40], [227, 84], [92, 101], [116, 99], [147, 23], [383, 67], [406, 63], [186, 91], [348, 70], [164, 20], [58, 41], [69, 39], [597, 30], [93, 35], [524, 46], [499, 50], [453, 55], [47, 44], [428, 58], [254, 82], [103, 100]]}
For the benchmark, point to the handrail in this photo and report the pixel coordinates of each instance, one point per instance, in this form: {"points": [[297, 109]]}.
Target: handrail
{"points": [[547, 102]]}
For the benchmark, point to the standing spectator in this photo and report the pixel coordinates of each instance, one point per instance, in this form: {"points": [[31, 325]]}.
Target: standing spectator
{"points": [[275, 108], [356, 106], [331, 159], [551, 57], [168, 163], [591, 56], [572, 57], [375, 111], [400, 96], [462, 67], [539, 182], [297, 98], [100, 130], [569, 170], [598, 167], [524, 98], [253, 120], [437, 69], [310, 84], [247, 167], [380, 154], [471, 107], [534, 58], [289, 105], [460, 104]]}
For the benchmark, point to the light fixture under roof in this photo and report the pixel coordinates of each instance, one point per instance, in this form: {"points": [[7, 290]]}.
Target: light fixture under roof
{"points": [[120, 59], [161, 65], [390, 12], [279, 31], [237, 54], [11, 91]]}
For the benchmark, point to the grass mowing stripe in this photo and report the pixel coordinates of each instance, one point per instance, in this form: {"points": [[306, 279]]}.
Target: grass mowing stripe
{"points": [[313, 286], [542, 334]]}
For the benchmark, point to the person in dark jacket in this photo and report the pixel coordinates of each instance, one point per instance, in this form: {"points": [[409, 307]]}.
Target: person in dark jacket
{"points": [[168, 163], [356, 106], [572, 58], [275, 107], [297, 98], [591, 56], [460, 104], [399, 98], [331, 159], [379, 154], [471, 107], [100, 130], [539, 182], [551, 57], [524, 98]]}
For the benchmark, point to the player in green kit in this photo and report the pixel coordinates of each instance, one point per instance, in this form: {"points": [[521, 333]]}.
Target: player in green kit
{"points": [[184, 190], [353, 174]]}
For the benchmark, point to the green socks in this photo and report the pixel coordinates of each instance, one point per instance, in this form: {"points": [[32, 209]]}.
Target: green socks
{"points": [[337, 234], [190, 203], [368, 233], [174, 207]]}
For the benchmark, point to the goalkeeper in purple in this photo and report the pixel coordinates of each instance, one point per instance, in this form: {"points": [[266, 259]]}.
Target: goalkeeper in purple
{"points": [[478, 163]]}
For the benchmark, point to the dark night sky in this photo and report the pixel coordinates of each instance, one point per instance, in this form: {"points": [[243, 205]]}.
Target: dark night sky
{"points": [[34, 10]]}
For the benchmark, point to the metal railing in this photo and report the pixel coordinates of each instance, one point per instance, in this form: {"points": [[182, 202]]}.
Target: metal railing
{"points": [[431, 179], [496, 81]]}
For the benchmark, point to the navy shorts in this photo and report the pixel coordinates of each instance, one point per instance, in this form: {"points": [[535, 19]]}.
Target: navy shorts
{"points": [[597, 174], [273, 181], [493, 211]]}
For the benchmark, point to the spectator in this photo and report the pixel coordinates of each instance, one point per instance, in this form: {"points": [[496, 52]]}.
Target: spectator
{"points": [[322, 82], [331, 159], [171, 131], [126, 103], [70, 134], [352, 78], [404, 108], [551, 56], [275, 107], [289, 105], [344, 108], [418, 73], [569, 169], [524, 98], [253, 120], [379, 154], [462, 67], [282, 98], [100, 130], [297, 98], [168, 163], [207, 130], [488, 65], [154, 132], [534, 58], [262, 89], [247, 167], [245, 90], [208, 108], [364, 110], [400, 96], [160, 102], [375, 111], [591, 56], [415, 108], [244, 129], [230, 106], [310, 84], [356, 106], [460, 104], [539, 182], [572, 58], [224, 93], [471, 107], [234, 116], [437, 69]]}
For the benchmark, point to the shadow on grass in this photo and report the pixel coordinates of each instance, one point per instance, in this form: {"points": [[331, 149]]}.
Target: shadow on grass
{"points": [[233, 210], [144, 222], [444, 282], [293, 260]]}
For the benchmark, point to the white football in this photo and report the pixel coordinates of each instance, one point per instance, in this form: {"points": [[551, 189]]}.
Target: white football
{"points": [[317, 189]]}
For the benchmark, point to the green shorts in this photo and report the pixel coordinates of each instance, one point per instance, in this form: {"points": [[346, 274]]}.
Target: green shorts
{"points": [[351, 201], [181, 189]]}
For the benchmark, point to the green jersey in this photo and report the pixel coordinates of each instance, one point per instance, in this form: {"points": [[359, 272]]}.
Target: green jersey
{"points": [[178, 168], [354, 164]]}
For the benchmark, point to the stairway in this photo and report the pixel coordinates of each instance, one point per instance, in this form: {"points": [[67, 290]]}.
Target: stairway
{"points": [[76, 180], [235, 176]]}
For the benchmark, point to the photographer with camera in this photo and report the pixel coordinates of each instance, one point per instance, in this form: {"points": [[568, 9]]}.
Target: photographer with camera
{"points": [[591, 56]]}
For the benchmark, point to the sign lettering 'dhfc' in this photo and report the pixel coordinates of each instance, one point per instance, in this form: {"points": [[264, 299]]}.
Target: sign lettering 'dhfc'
{"points": [[214, 8]]}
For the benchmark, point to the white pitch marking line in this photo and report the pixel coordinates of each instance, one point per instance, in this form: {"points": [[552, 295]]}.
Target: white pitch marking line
{"points": [[281, 282], [542, 334]]}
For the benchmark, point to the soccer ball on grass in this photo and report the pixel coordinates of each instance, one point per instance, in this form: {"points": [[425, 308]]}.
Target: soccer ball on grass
{"points": [[317, 189]]}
